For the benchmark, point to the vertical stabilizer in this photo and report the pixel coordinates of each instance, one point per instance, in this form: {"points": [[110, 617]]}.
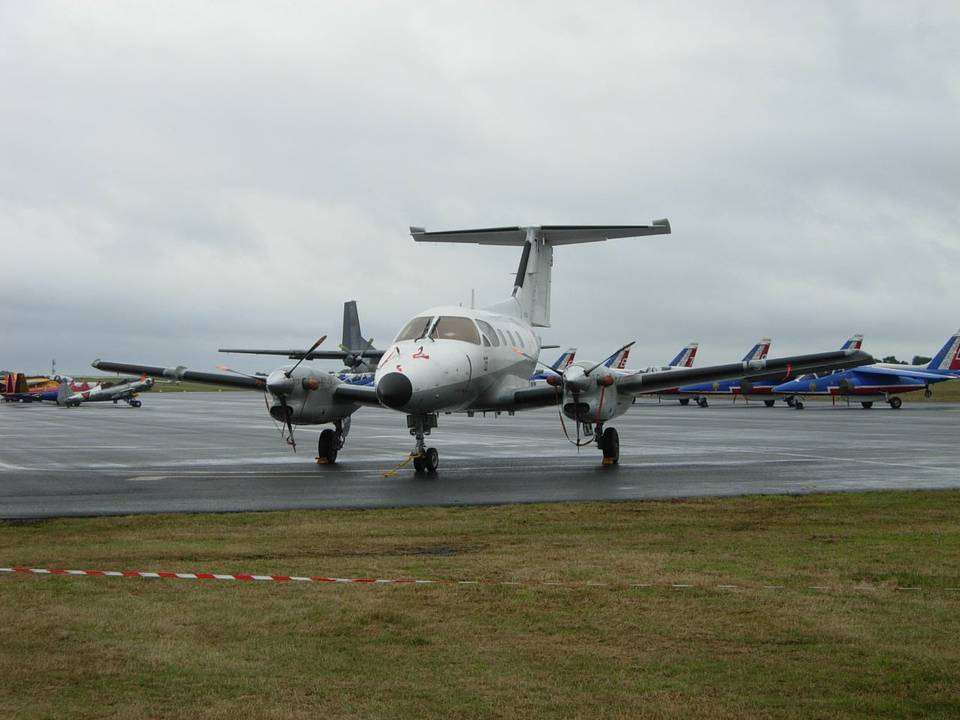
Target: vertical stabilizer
{"points": [[352, 337], [686, 356], [854, 343], [949, 356], [758, 351]]}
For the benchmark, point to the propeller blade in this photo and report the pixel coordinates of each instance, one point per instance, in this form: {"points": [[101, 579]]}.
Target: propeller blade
{"points": [[313, 347]]}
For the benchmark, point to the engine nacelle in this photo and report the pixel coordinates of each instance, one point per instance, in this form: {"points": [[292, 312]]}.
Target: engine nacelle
{"points": [[306, 397], [592, 398]]}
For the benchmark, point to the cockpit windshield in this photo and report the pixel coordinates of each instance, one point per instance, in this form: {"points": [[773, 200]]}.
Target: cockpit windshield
{"points": [[416, 328], [449, 327]]}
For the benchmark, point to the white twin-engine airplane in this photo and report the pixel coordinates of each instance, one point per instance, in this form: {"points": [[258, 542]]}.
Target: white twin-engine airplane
{"points": [[454, 359]]}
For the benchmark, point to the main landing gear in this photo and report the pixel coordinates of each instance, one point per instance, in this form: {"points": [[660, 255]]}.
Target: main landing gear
{"points": [[425, 460], [331, 441], [702, 401], [895, 402], [609, 442]]}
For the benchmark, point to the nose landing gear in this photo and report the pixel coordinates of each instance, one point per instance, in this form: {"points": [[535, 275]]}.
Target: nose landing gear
{"points": [[425, 460]]}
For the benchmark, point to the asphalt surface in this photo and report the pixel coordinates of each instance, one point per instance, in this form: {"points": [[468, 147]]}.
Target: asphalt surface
{"points": [[192, 452]]}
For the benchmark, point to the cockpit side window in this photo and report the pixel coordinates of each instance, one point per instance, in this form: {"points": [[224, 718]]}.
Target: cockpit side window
{"points": [[450, 327], [503, 340], [416, 328], [489, 335]]}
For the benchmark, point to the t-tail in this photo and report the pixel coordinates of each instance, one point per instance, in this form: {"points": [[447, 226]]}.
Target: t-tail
{"points": [[948, 358], [530, 299], [854, 343], [685, 357], [758, 351]]}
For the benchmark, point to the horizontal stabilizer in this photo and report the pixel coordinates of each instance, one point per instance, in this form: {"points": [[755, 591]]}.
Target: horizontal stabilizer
{"points": [[554, 234]]}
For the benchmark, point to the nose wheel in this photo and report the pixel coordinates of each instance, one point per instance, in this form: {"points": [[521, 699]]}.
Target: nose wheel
{"points": [[427, 462]]}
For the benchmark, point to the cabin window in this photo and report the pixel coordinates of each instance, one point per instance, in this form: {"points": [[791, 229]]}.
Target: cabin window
{"points": [[449, 327], [415, 329], [503, 340], [488, 332]]}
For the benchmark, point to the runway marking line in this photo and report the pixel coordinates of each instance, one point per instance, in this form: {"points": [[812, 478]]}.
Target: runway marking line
{"points": [[250, 577]]}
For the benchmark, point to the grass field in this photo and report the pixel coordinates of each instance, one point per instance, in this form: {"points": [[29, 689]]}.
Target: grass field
{"points": [[134, 648]]}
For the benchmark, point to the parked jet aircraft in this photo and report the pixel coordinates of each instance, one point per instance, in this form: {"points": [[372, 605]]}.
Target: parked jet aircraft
{"points": [[757, 388], [879, 382], [450, 358]]}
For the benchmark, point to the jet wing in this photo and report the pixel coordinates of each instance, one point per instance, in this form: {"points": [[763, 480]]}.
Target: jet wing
{"points": [[372, 353], [181, 373], [788, 367]]}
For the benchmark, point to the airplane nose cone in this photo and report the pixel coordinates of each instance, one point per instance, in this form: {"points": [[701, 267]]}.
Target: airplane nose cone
{"points": [[394, 390]]}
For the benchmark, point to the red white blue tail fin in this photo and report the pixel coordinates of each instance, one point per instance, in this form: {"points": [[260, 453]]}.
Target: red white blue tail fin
{"points": [[618, 361], [758, 351], [854, 343], [686, 356], [948, 358], [565, 360]]}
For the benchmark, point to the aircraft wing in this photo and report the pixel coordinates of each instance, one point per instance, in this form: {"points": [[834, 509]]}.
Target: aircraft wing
{"points": [[181, 373], [359, 394], [372, 353], [788, 367]]}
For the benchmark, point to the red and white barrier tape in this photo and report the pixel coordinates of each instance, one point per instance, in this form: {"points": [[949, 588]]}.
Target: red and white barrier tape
{"points": [[414, 581]]}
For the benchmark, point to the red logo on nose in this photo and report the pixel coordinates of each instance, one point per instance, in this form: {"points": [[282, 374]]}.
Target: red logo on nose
{"points": [[420, 354]]}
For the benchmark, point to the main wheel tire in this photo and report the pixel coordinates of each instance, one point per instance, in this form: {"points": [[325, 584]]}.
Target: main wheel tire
{"points": [[136, 403], [867, 404], [431, 459], [684, 401], [702, 402], [327, 446], [418, 464], [790, 401], [798, 404], [769, 403], [895, 403], [610, 444]]}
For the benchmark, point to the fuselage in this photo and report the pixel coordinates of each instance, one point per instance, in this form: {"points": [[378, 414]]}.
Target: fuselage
{"points": [[853, 382], [452, 358]]}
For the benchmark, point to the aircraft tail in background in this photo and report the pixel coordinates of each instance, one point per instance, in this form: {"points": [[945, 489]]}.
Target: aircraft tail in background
{"points": [[565, 360], [618, 361], [686, 356], [854, 343], [758, 351], [948, 358]]}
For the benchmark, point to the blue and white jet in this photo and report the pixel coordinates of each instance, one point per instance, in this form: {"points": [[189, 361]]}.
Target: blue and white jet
{"points": [[879, 382]]}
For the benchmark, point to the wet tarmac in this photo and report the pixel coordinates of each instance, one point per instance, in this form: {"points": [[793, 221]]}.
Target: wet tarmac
{"points": [[199, 452]]}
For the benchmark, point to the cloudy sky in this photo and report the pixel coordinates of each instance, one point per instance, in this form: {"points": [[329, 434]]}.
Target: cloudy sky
{"points": [[175, 177]]}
